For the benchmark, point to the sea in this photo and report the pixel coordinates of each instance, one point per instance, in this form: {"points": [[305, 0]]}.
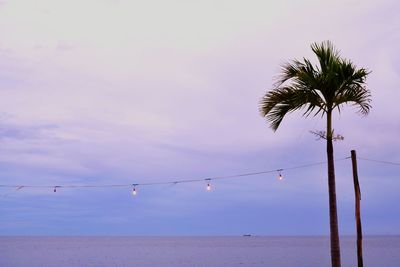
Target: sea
{"points": [[105, 251]]}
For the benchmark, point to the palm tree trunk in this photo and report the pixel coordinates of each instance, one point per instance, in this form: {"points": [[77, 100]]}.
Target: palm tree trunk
{"points": [[334, 227]]}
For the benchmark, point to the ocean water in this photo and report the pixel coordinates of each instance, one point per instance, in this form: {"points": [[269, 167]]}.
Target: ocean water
{"points": [[192, 251]]}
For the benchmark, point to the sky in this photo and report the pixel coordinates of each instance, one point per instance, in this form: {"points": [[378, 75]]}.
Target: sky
{"points": [[123, 92]]}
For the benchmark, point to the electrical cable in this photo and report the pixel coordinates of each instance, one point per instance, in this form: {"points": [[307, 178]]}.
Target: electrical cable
{"points": [[173, 182], [380, 161]]}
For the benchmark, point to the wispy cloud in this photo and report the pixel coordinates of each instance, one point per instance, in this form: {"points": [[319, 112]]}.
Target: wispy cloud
{"points": [[124, 91]]}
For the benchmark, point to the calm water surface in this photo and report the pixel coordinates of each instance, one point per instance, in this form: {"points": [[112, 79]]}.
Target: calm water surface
{"points": [[191, 251]]}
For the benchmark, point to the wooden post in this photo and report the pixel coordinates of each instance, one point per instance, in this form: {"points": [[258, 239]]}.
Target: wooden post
{"points": [[358, 213]]}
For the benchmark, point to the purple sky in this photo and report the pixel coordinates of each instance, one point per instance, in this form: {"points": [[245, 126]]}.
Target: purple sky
{"points": [[106, 92]]}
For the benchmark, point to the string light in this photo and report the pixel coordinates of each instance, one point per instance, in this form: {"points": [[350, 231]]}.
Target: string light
{"points": [[173, 182], [280, 177], [134, 192], [208, 184]]}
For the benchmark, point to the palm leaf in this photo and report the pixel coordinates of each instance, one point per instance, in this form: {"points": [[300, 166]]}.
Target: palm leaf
{"points": [[319, 89]]}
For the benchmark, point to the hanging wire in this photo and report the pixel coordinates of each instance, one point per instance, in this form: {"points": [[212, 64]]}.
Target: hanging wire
{"points": [[380, 161], [208, 179]]}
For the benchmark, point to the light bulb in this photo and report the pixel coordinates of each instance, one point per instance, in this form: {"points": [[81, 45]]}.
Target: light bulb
{"points": [[208, 187], [134, 191], [280, 177]]}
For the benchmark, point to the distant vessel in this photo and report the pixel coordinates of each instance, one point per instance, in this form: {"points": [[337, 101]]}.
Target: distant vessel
{"points": [[247, 235]]}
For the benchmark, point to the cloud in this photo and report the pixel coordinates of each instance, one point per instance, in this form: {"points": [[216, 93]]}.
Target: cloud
{"points": [[131, 91], [24, 132]]}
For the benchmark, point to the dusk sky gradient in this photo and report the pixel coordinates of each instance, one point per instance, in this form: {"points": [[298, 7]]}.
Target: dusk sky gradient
{"points": [[119, 92]]}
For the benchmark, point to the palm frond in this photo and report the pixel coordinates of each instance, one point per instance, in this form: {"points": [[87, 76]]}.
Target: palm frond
{"points": [[320, 89], [357, 95], [327, 55], [289, 71], [352, 88], [280, 101]]}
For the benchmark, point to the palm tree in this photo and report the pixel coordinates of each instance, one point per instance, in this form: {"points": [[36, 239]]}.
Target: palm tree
{"points": [[319, 89]]}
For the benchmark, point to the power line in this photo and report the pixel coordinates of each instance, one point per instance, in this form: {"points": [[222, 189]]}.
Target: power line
{"points": [[172, 182], [380, 161]]}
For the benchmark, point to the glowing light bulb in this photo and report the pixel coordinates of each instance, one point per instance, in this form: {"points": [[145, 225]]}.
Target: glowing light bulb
{"points": [[208, 187], [134, 192], [280, 177]]}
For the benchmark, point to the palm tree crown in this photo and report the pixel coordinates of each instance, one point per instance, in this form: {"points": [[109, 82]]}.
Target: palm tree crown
{"points": [[322, 88]]}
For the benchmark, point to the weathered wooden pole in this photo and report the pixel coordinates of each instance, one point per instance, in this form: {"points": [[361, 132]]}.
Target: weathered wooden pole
{"points": [[357, 192]]}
